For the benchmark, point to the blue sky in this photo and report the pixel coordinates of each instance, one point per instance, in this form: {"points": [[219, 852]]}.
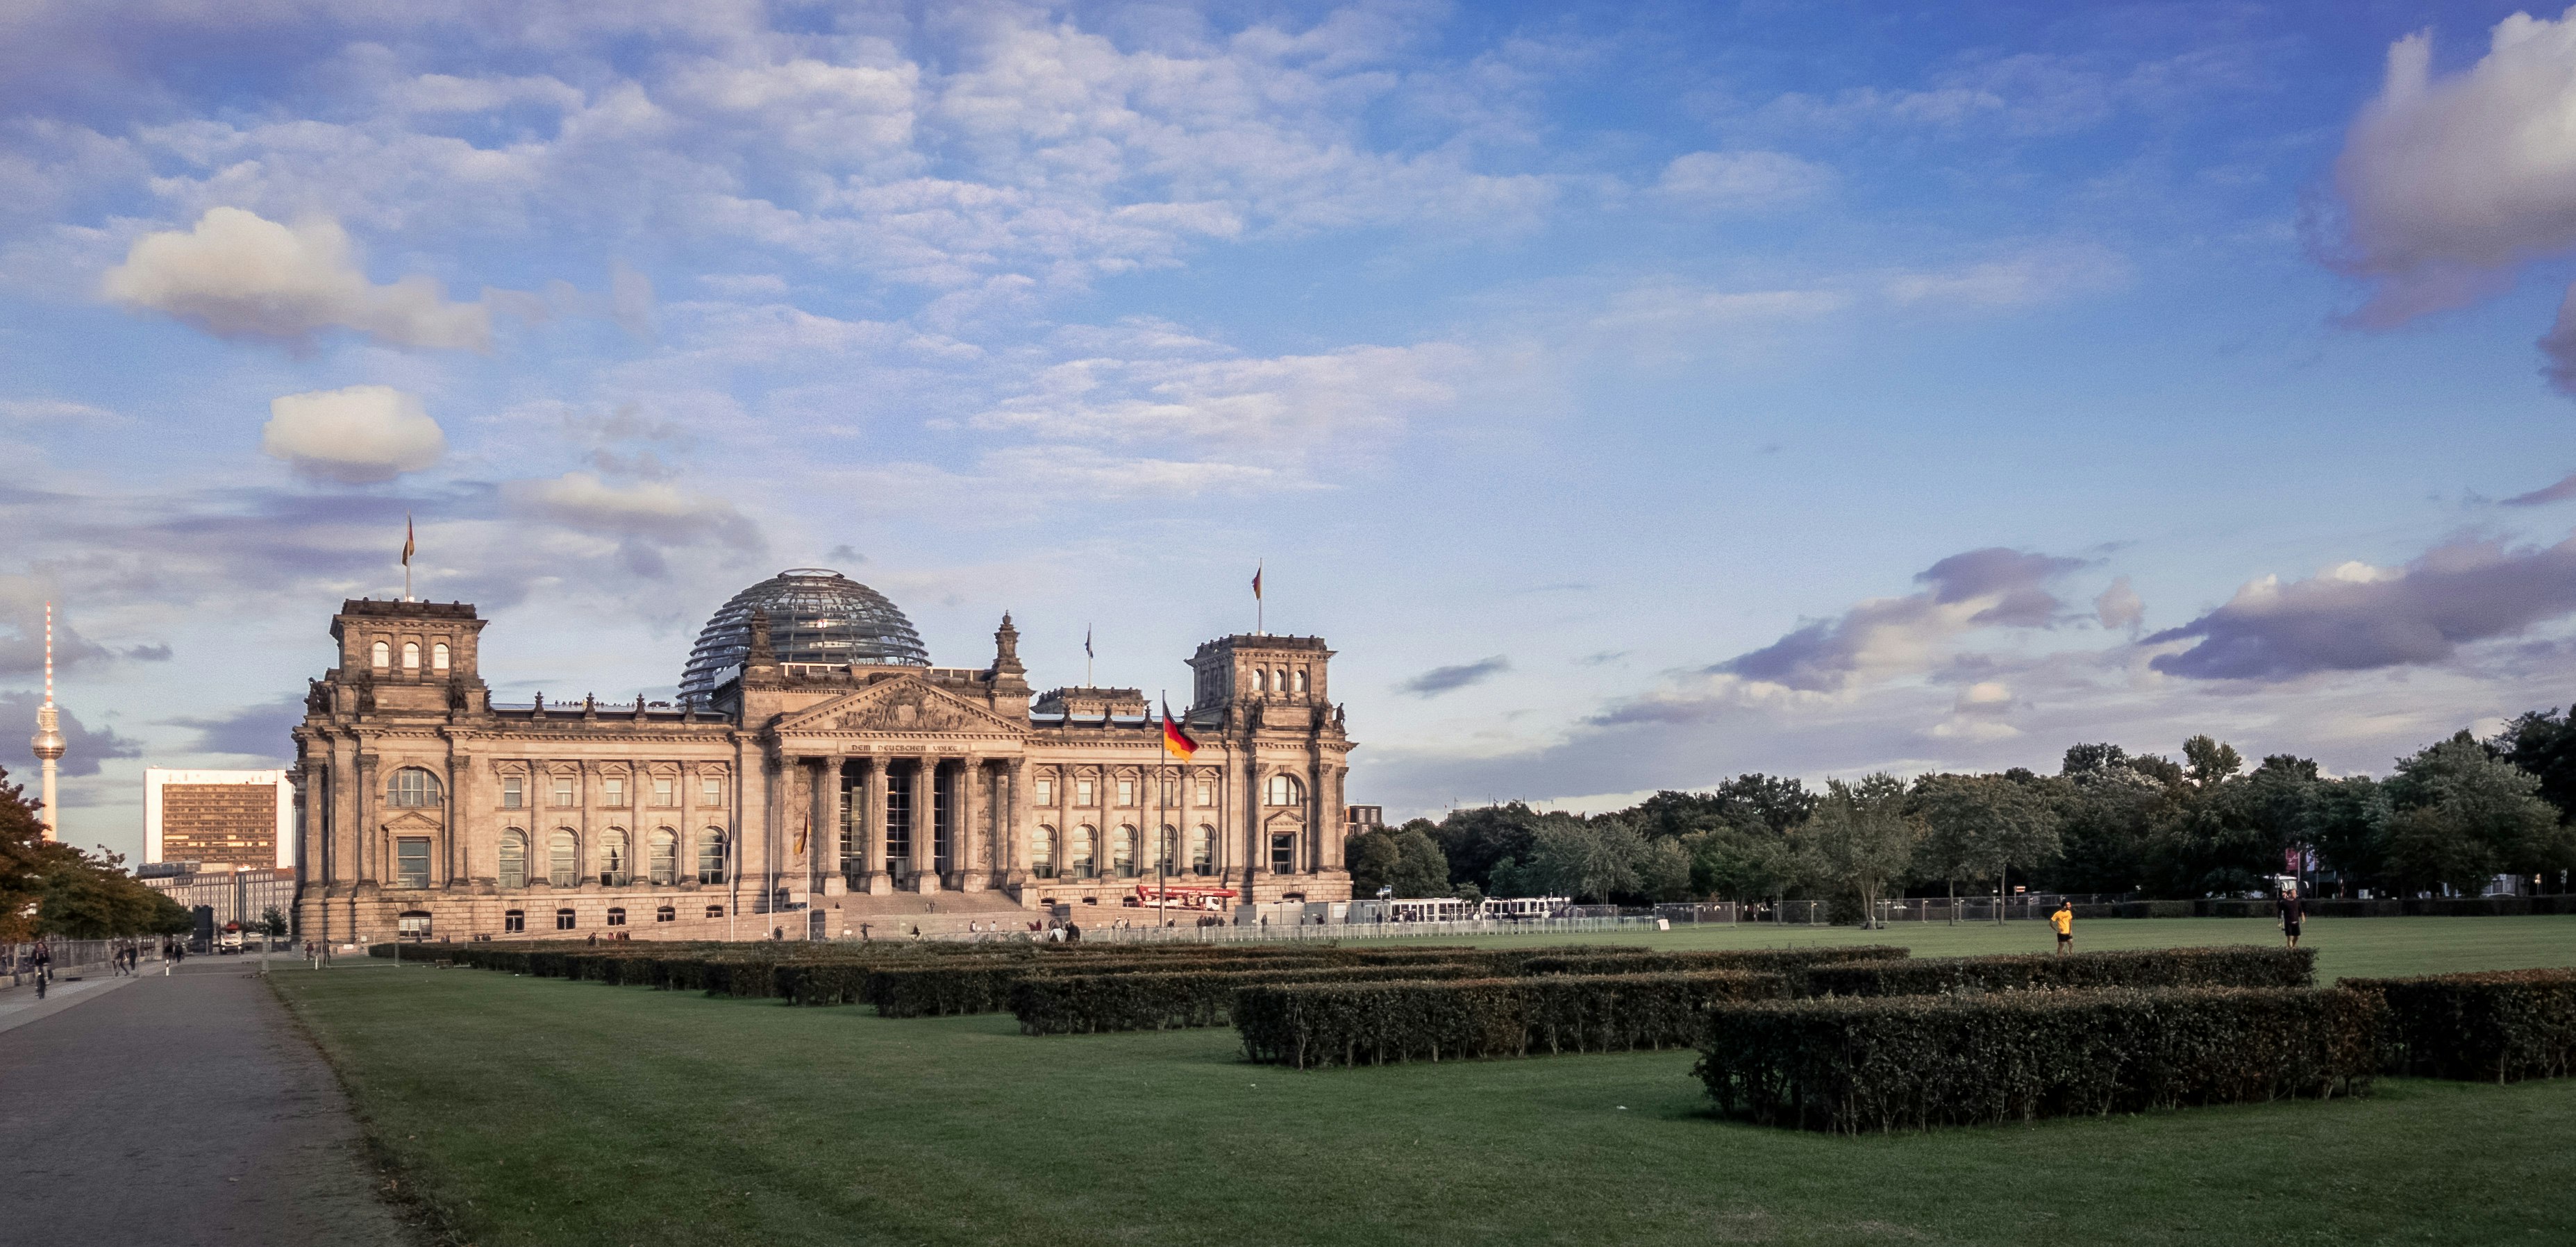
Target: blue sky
{"points": [[1634, 395]]}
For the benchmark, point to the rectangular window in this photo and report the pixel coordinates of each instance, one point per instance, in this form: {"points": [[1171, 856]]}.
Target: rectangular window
{"points": [[1046, 792], [1126, 792], [666, 914], [514, 921], [1082, 792], [514, 792], [715, 911], [563, 920], [413, 926], [563, 791], [617, 917], [898, 824], [1283, 854], [614, 791], [665, 791], [711, 793], [411, 862], [1207, 793]]}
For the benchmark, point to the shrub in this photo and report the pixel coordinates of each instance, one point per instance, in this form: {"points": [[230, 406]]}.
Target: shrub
{"points": [[2500, 1024], [2237, 966], [1903, 1063], [1320, 1024], [1076, 1004], [985, 987], [1792, 964]]}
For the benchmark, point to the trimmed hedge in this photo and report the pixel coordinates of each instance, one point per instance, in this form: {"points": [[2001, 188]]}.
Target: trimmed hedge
{"points": [[2500, 1024], [1793, 964], [1321, 1024], [1851, 1065], [939, 991], [2234, 966], [1081, 1004]]}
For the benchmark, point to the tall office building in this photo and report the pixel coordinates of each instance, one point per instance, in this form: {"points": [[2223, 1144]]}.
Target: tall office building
{"points": [[237, 820]]}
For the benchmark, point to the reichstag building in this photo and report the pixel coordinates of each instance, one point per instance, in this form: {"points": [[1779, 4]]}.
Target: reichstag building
{"points": [[816, 774]]}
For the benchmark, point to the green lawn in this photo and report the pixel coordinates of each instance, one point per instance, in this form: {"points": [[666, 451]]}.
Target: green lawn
{"points": [[544, 1111]]}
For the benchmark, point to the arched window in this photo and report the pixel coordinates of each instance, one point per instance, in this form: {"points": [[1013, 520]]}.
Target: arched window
{"points": [[1203, 850], [412, 789], [411, 655], [1285, 790], [613, 863], [382, 656], [1081, 860], [1260, 680], [514, 858], [563, 858], [438, 656], [711, 856], [1280, 680], [664, 865], [1167, 849], [1122, 851], [1042, 852], [1301, 679]]}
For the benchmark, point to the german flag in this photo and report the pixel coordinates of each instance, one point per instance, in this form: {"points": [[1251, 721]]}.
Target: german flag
{"points": [[1176, 740]]}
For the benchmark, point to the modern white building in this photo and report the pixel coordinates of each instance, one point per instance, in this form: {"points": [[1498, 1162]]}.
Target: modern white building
{"points": [[221, 820]]}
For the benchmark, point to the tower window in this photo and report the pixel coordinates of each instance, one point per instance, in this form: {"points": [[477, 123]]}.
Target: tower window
{"points": [[1301, 679], [1260, 680], [1285, 790], [411, 655], [438, 656], [382, 655]]}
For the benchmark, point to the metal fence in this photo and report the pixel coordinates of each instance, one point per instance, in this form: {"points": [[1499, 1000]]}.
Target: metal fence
{"points": [[2032, 906], [71, 957], [1228, 933]]}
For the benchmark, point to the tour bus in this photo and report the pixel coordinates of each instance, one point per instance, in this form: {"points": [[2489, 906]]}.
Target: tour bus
{"points": [[1523, 908]]}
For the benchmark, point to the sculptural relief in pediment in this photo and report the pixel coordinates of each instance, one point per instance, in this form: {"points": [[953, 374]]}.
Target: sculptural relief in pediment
{"points": [[899, 706]]}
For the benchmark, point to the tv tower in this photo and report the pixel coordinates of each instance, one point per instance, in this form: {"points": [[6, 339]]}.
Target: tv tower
{"points": [[48, 740]]}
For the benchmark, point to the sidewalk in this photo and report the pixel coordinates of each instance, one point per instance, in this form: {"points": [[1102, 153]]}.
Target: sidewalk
{"points": [[177, 1111]]}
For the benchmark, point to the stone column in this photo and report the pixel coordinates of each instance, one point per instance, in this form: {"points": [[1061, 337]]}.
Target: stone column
{"points": [[828, 801], [1012, 818], [974, 840], [872, 817], [925, 819]]}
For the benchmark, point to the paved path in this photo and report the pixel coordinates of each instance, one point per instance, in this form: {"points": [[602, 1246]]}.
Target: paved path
{"points": [[177, 1112]]}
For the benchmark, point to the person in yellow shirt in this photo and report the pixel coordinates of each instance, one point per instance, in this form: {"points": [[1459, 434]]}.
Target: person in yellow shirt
{"points": [[2064, 921]]}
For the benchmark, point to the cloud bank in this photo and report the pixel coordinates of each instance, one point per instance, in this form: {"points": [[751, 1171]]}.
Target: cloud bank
{"points": [[357, 435], [240, 275]]}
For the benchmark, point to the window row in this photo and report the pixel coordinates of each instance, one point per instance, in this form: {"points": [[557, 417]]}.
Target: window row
{"points": [[614, 860], [1078, 855], [516, 920], [415, 788], [1279, 680], [1280, 790], [563, 792], [381, 656]]}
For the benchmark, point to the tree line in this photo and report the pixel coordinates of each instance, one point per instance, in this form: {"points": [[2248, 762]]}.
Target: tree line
{"points": [[53, 889], [2453, 814]]}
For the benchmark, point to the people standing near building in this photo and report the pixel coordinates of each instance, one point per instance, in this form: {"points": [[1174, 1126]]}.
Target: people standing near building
{"points": [[2292, 912], [2064, 921]]}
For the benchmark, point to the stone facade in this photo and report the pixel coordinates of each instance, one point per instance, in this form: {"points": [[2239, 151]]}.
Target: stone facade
{"points": [[807, 797]]}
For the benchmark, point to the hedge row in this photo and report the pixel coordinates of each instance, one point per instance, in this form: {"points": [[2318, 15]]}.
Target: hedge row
{"points": [[1792, 964], [2236, 966], [2500, 1024], [1082, 1004], [938, 991], [1321, 1024], [1851, 1065]]}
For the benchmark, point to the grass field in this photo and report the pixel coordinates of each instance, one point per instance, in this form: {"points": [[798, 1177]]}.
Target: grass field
{"points": [[542, 1111]]}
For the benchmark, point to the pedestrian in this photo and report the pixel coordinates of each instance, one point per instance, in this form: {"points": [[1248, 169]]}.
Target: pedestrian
{"points": [[2064, 921], [44, 963], [863, 933], [2291, 914]]}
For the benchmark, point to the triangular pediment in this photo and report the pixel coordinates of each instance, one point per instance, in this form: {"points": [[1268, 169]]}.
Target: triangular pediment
{"points": [[411, 820], [904, 705]]}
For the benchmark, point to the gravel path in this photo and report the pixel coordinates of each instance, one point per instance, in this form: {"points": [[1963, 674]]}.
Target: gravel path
{"points": [[180, 1111]]}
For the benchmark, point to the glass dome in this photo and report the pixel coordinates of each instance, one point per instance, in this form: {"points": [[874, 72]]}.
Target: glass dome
{"points": [[815, 615]]}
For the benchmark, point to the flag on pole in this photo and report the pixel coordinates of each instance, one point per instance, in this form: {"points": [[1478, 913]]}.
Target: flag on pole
{"points": [[1256, 582], [1086, 642], [1176, 739], [408, 545]]}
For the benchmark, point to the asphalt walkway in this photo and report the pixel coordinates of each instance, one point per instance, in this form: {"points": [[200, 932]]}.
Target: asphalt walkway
{"points": [[176, 1112]]}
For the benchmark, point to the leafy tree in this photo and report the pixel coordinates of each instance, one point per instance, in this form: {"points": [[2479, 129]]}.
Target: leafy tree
{"points": [[2460, 816], [273, 923], [24, 858], [2543, 742], [2347, 819], [1404, 858], [1741, 865], [1978, 827], [1859, 840], [2209, 762], [1590, 864], [1476, 840]]}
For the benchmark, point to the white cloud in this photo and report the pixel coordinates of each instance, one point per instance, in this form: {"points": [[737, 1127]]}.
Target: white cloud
{"points": [[2449, 184], [1742, 180], [655, 511], [2119, 606], [1290, 405], [358, 434], [238, 274], [2038, 275]]}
